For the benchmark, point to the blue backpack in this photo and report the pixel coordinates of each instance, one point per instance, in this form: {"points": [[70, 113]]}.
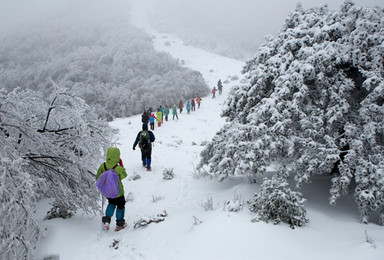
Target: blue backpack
{"points": [[108, 183]]}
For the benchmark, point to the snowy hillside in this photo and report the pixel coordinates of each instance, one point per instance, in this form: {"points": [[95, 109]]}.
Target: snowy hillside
{"points": [[198, 224]]}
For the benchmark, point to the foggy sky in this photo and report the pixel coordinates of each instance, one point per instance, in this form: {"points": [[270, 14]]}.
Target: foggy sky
{"points": [[217, 17], [16, 12]]}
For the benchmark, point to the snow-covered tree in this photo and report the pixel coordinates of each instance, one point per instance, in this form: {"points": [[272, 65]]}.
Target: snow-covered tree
{"points": [[48, 150], [313, 101]]}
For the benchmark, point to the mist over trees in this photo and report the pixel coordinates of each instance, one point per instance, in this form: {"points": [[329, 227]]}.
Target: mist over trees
{"points": [[312, 105], [230, 28], [103, 60]]}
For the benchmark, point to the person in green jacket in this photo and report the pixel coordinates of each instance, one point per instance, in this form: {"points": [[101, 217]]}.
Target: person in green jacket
{"points": [[166, 113], [174, 112], [113, 162]]}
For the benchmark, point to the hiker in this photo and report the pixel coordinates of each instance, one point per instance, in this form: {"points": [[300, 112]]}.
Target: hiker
{"points": [[198, 101], [145, 117], [145, 138], [112, 162], [162, 114], [166, 112], [220, 86], [193, 104], [188, 106], [214, 92], [152, 118], [181, 105], [174, 112], [159, 117]]}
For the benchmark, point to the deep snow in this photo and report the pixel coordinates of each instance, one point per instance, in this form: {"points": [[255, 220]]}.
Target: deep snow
{"points": [[333, 232]]}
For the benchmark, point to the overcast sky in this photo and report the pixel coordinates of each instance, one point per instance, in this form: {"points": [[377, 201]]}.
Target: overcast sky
{"points": [[16, 12]]}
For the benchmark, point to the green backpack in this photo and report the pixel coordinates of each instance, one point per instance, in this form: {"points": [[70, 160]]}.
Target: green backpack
{"points": [[144, 141]]}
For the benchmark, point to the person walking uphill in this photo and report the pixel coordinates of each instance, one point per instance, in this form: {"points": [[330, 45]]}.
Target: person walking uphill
{"points": [[198, 101], [159, 117], [174, 112], [188, 106], [145, 139], [145, 117], [152, 118], [193, 104], [166, 113], [181, 105], [112, 162]]}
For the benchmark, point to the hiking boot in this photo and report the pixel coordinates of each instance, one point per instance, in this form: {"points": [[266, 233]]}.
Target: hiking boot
{"points": [[118, 228], [144, 164], [106, 226], [148, 167]]}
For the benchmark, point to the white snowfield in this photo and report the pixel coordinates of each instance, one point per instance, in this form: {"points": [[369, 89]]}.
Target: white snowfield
{"points": [[189, 231]]}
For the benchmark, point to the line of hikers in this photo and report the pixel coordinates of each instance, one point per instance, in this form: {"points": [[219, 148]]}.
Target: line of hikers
{"points": [[161, 113], [112, 171], [219, 87]]}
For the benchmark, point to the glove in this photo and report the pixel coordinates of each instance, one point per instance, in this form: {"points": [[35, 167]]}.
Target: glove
{"points": [[134, 148]]}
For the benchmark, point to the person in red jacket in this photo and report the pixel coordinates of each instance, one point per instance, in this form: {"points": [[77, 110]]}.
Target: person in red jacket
{"points": [[193, 104], [181, 105]]}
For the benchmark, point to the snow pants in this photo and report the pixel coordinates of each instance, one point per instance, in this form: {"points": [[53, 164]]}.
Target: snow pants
{"points": [[118, 202], [146, 156]]}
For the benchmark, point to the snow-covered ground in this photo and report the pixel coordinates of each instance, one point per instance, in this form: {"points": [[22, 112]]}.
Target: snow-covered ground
{"points": [[188, 231]]}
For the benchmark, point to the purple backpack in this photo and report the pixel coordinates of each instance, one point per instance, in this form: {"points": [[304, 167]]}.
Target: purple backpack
{"points": [[108, 183]]}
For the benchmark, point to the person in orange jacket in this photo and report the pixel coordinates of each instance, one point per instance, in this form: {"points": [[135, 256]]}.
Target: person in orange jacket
{"points": [[198, 101]]}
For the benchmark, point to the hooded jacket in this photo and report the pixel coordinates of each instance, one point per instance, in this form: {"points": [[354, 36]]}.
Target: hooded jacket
{"points": [[112, 159], [151, 136]]}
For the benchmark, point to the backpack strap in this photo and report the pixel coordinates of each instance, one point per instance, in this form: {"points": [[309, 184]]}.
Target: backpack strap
{"points": [[105, 166]]}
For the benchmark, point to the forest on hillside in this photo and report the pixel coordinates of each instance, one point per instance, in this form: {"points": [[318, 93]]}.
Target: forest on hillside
{"points": [[103, 60]]}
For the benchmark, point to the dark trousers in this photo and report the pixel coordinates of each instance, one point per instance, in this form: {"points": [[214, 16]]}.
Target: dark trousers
{"points": [[146, 156]]}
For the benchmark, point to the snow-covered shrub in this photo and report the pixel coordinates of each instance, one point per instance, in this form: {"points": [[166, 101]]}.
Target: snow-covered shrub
{"points": [[208, 204], [59, 211], [233, 78], [236, 204], [277, 202], [145, 221], [156, 198], [168, 174], [312, 100], [47, 150]]}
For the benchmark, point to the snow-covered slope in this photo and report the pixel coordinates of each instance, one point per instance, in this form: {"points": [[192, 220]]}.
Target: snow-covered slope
{"points": [[333, 232]]}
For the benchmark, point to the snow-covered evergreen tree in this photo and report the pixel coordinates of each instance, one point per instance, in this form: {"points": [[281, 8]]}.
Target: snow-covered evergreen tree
{"points": [[313, 100], [48, 150], [277, 202]]}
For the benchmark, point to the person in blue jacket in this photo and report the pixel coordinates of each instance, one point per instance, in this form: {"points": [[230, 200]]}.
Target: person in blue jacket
{"points": [[145, 138]]}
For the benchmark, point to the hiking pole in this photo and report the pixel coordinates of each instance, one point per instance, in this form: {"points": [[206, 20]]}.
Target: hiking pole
{"points": [[102, 204]]}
